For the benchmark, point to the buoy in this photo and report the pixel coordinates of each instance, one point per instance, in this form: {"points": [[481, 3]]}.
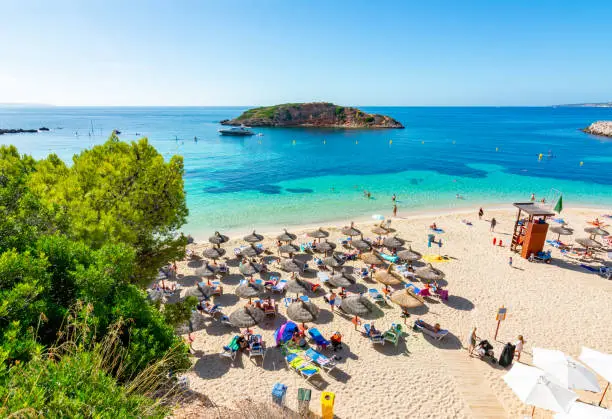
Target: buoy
{"points": [[422, 142], [390, 142], [496, 148], [356, 142], [293, 142], [581, 163], [324, 142], [540, 156]]}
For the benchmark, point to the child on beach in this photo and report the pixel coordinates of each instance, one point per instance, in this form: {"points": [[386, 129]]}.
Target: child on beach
{"points": [[493, 224], [510, 261], [518, 347]]}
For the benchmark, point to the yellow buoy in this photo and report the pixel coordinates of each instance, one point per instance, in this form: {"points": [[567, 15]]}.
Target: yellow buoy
{"points": [[540, 156], [324, 142], [496, 148], [581, 163], [356, 142], [422, 142], [390, 142]]}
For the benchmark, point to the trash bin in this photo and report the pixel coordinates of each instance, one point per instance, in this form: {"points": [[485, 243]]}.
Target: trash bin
{"points": [[278, 394], [304, 401], [327, 405]]}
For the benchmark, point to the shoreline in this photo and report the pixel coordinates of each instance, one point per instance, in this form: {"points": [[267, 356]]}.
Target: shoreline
{"points": [[201, 236]]}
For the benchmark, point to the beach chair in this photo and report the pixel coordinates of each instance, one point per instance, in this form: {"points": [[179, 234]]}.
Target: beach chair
{"points": [[212, 310], [230, 350], [375, 338], [376, 295], [364, 273], [318, 338], [393, 334], [280, 287], [320, 360], [256, 346], [279, 392], [427, 329], [323, 277], [270, 309], [301, 366]]}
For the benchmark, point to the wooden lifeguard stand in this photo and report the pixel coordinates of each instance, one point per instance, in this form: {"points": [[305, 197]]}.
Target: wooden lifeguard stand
{"points": [[530, 228]]}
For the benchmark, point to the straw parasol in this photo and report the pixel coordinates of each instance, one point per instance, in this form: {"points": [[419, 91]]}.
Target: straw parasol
{"points": [[249, 268], [429, 273], [341, 280], [588, 243], [333, 262], [409, 255], [380, 231], [596, 231], [288, 248], [325, 246], [393, 242], [286, 237], [407, 299], [318, 234], [361, 245], [205, 271], [302, 312], [289, 265], [218, 238], [249, 290], [386, 278], [562, 231], [253, 237], [213, 252], [371, 259], [297, 286], [357, 305], [350, 231], [250, 251], [246, 317]]}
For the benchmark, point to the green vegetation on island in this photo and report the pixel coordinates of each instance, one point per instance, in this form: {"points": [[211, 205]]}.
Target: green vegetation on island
{"points": [[317, 114]]}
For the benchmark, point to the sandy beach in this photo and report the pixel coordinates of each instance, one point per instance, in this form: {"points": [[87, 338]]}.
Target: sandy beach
{"points": [[558, 306]]}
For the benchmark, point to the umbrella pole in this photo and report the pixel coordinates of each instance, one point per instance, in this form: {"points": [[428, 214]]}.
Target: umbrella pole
{"points": [[604, 394], [532, 411]]}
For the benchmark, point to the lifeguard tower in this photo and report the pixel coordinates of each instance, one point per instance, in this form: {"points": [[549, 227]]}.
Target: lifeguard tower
{"points": [[530, 228]]}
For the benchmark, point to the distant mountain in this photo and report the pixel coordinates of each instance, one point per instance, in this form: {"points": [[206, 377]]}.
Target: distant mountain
{"points": [[588, 105]]}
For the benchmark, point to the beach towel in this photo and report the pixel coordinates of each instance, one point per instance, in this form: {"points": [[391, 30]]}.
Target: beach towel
{"points": [[437, 230]]}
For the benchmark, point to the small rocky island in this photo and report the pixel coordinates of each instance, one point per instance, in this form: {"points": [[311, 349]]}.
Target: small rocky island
{"points": [[22, 131], [603, 128], [317, 114]]}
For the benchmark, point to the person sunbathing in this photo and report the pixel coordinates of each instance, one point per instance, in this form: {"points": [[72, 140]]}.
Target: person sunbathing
{"points": [[433, 226], [373, 331]]}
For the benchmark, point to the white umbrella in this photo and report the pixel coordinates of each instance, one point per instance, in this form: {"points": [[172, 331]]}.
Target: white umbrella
{"points": [[534, 387], [580, 410], [565, 369], [600, 363]]}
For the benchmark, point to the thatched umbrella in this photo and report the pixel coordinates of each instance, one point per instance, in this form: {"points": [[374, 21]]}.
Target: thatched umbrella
{"points": [[250, 251], [407, 299], [341, 280], [562, 231], [297, 286], [429, 273], [357, 305], [286, 237], [333, 262], [596, 231], [318, 234], [288, 248], [350, 231], [393, 242], [386, 278], [409, 255], [218, 238], [247, 317], [213, 252], [253, 237], [371, 259], [361, 245], [302, 312], [205, 271], [381, 231], [249, 290], [588, 243], [325, 246], [249, 268], [289, 265]]}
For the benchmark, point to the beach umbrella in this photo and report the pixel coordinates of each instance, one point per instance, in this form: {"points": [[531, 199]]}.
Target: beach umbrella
{"points": [[302, 312], [409, 255], [253, 237], [205, 271], [246, 317], [249, 290], [386, 278], [596, 231], [588, 243], [429, 273], [562, 231], [250, 251], [393, 242], [565, 369], [286, 237], [341, 280], [599, 362], [579, 410], [357, 305], [297, 286], [361, 245], [333, 261], [213, 252], [325, 246], [249, 268], [378, 217], [407, 298], [380, 231], [371, 258], [289, 265], [535, 388], [218, 238], [318, 234], [288, 248], [350, 231]]}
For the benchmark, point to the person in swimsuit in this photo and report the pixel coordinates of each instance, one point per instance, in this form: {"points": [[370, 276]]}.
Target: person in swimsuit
{"points": [[472, 342]]}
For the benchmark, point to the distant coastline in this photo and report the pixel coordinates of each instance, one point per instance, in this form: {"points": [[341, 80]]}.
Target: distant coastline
{"points": [[587, 105]]}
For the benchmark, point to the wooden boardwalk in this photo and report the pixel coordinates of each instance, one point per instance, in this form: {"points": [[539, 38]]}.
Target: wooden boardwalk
{"points": [[468, 374]]}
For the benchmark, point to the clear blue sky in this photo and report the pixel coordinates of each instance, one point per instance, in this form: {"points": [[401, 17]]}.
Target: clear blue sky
{"points": [[173, 52]]}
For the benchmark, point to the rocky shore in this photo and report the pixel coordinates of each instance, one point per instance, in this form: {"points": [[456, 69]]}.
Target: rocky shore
{"points": [[603, 128], [22, 131], [318, 114]]}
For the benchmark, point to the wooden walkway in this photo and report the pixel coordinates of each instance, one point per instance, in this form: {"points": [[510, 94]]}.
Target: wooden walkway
{"points": [[468, 374]]}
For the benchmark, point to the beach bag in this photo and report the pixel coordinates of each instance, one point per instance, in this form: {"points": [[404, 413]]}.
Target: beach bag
{"points": [[507, 355]]}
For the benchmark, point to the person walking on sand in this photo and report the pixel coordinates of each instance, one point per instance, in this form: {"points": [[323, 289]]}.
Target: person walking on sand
{"points": [[532, 197], [395, 210], [472, 342], [518, 347], [480, 213], [493, 224]]}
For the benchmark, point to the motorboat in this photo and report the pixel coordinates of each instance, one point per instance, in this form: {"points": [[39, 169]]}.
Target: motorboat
{"points": [[241, 131]]}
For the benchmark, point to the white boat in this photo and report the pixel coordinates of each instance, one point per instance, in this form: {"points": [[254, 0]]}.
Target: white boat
{"points": [[241, 131]]}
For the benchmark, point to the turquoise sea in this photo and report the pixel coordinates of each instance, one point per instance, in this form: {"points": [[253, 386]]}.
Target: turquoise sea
{"points": [[303, 176]]}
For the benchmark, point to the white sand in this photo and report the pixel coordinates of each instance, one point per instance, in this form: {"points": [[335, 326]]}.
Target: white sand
{"points": [[560, 306]]}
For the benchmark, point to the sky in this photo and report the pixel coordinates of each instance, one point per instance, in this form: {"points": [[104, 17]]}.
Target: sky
{"points": [[372, 53]]}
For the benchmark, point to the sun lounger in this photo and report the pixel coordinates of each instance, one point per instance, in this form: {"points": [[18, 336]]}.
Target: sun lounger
{"points": [[376, 295], [364, 273], [428, 329], [232, 349], [393, 334], [301, 366], [318, 338], [256, 346], [280, 286], [323, 277], [389, 258], [320, 360], [212, 310], [269, 309], [376, 337]]}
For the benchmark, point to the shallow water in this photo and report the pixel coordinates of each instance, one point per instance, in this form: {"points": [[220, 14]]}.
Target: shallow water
{"points": [[298, 176]]}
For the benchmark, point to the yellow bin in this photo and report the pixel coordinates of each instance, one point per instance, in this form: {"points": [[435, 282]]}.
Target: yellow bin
{"points": [[327, 404]]}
